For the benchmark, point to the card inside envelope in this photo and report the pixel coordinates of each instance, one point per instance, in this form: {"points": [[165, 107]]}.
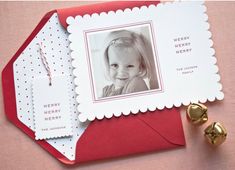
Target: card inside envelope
{"points": [[108, 138]]}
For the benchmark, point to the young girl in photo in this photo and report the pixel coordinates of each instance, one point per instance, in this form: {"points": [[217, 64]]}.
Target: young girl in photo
{"points": [[128, 60]]}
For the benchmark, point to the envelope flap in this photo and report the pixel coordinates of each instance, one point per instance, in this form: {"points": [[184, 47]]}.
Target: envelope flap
{"points": [[8, 75], [8, 89], [98, 8], [167, 116]]}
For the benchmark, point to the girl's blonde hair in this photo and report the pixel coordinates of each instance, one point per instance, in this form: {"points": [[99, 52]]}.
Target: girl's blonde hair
{"points": [[129, 39]]}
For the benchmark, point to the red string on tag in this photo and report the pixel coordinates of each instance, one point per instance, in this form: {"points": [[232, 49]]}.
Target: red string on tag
{"points": [[45, 63]]}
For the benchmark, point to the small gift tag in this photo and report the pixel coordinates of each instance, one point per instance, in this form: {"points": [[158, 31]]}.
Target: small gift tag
{"points": [[51, 103]]}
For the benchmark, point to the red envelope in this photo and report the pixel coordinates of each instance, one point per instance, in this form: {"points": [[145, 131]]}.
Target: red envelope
{"points": [[108, 138]]}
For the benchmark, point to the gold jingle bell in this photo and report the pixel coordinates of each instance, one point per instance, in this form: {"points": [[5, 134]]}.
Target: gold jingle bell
{"points": [[197, 113], [215, 133]]}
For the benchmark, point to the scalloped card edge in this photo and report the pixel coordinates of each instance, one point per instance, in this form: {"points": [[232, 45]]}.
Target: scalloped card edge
{"points": [[88, 112]]}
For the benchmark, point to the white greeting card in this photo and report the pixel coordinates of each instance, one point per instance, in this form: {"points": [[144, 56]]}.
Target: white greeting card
{"points": [[143, 59], [51, 103]]}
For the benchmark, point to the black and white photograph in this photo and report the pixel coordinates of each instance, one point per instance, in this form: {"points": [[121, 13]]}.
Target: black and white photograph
{"points": [[122, 61]]}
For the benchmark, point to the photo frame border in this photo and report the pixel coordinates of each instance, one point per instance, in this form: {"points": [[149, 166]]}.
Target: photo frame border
{"points": [[157, 69]]}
